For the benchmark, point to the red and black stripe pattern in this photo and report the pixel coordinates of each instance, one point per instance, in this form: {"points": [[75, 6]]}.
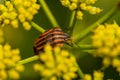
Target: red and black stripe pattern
{"points": [[54, 36]]}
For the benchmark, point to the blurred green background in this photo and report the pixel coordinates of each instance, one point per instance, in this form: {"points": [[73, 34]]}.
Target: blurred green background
{"points": [[22, 39]]}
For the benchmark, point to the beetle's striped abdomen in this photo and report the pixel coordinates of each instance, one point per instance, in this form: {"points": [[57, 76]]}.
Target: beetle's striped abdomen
{"points": [[54, 36]]}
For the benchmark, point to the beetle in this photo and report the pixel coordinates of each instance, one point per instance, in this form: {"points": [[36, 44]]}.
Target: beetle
{"points": [[54, 37]]}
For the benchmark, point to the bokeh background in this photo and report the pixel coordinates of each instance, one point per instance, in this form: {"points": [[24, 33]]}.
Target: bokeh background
{"points": [[22, 39]]}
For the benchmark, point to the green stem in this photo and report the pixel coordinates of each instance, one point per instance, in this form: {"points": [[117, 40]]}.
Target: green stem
{"points": [[72, 22], [37, 27], [49, 13], [84, 46], [30, 59], [72, 19], [84, 33], [80, 73], [88, 51]]}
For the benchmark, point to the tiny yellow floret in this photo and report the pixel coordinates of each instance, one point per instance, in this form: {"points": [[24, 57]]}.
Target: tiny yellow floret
{"points": [[13, 74], [26, 25], [87, 77], [98, 75]]}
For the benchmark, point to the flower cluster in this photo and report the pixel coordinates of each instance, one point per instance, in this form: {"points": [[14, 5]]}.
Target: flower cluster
{"points": [[56, 64], [1, 36], [80, 6], [15, 11], [106, 40], [9, 66], [97, 75]]}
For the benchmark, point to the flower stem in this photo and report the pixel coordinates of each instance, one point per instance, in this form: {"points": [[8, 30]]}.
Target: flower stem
{"points": [[79, 71], [72, 19], [84, 33], [37, 27], [30, 59], [88, 51], [49, 13], [83, 46], [72, 22]]}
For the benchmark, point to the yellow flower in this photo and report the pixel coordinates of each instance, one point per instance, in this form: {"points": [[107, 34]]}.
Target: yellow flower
{"points": [[53, 78], [13, 15], [87, 77], [79, 15], [116, 64], [21, 18], [3, 75], [73, 6], [106, 40], [93, 10], [19, 68], [106, 61], [98, 75], [13, 74], [80, 6], [83, 6], [38, 67], [14, 12], [14, 23], [56, 63], [26, 25], [9, 66]]}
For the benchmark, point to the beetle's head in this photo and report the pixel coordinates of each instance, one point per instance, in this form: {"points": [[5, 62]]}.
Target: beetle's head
{"points": [[69, 40]]}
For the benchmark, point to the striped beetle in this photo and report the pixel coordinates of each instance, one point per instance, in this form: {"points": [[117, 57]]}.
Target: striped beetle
{"points": [[54, 36]]}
